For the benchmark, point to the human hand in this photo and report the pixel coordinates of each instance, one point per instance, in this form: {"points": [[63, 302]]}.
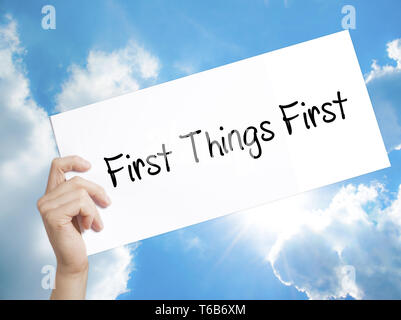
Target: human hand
{"points": [[60, 207]]}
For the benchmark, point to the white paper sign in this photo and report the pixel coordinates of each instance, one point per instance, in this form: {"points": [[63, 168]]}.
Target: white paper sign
{"points": [[226, 139]]}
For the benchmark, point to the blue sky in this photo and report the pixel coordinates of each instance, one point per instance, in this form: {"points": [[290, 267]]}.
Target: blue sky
{"points": [[230, 257]]}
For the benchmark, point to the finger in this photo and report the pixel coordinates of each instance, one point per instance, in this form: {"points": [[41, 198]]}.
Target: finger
{"points": [[81, 195], [65, 213], [96, 192], [97, 224], [60, 166], [51, 204]]}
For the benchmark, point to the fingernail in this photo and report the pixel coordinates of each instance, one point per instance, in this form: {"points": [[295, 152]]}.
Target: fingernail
{"points": [[98, 225], [108, 200], [86, 163]]}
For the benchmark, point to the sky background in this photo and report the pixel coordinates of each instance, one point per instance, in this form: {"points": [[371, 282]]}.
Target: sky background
{"points": [[339, 242]]}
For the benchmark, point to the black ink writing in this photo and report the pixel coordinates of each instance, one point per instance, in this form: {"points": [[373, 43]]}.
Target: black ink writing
{"points": [[136, 167], [310, 116]]}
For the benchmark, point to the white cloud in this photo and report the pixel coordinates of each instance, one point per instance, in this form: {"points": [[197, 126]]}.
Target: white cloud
{"points": [[107, 75], [394, 53], [27, 142], [352, 247], [185, 67], [267, 3], [384, 85], [194, 243], [27, 149], [109, 273]]}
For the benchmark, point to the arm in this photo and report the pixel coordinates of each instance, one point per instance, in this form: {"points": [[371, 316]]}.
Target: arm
{"points": [[70, 286], [62, 204]]}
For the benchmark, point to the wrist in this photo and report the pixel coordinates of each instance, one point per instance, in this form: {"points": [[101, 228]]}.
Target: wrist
{"points": [[73, 270], [70, 283]]}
